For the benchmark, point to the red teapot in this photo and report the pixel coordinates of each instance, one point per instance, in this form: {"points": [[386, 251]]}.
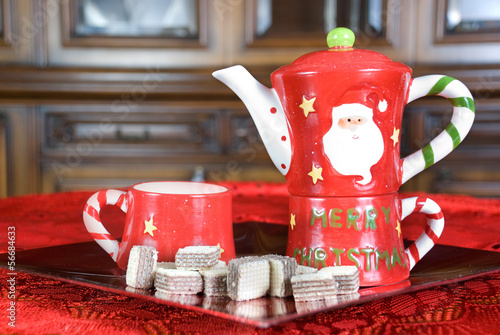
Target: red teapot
{"points": [[331, 124]]}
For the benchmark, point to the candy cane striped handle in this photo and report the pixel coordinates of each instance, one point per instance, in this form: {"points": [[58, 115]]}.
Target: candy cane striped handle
{"points": [[433, 229], [93, 222], [454, 133]]}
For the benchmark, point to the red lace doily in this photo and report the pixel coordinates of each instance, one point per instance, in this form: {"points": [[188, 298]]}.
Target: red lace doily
{"points": [[45, 306]]}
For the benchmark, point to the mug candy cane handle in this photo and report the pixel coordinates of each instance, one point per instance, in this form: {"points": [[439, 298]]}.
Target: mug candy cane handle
{"points": [[93, 222], [433, 229], [461, 121]]}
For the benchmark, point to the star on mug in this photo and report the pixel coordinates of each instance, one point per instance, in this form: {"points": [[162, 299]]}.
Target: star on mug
{"points": [[398, 228], [395, 136], [307, 105], [149, 227], [315, 174], [292, 221]]}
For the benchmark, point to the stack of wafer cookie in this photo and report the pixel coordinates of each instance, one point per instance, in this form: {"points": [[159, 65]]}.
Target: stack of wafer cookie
{"points": [[346, 278], [197, 257], [335, 282], [313, 286], [195, 264], [198, 269]]}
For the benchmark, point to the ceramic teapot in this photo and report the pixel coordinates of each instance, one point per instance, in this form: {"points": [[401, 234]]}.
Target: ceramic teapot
{"points": [[331, 124]]}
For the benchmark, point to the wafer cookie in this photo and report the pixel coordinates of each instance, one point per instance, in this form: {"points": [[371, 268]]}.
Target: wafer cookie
{"points": [[346, 278], [313, 286], [282, 269], [141, 267], [176, 281], [197, 257], [248, 278], [215, 281]]}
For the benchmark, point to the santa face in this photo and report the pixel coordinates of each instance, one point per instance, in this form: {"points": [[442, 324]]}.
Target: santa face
{"points": [[354, 143]]}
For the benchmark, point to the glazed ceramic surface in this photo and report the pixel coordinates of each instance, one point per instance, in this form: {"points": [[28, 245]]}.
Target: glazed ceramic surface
{"points": [[332, 125], [361, 231], [164, 215]]}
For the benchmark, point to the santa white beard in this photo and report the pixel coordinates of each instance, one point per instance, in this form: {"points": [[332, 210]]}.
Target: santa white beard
{"points": [[353, 153]]}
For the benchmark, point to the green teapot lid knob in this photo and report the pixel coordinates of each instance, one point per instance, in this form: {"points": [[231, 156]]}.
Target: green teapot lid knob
{"points": [[340, 37]]}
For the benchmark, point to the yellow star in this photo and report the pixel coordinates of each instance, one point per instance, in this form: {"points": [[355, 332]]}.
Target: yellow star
{"points": [[315, 174], [292, 221], [398, 228], [395, 136], [307, 105], [150, 228], [221, 250]]}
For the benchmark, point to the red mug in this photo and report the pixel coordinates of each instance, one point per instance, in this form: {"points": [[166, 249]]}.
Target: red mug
{"points": [[361, 231], [166, 215]]}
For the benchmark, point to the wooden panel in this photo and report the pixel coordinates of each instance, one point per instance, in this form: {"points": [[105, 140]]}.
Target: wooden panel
{"points": [[104, 133], [23, 149], [19, 35], [119, 87]]}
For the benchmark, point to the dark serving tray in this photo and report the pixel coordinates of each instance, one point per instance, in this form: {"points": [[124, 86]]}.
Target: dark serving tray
{"points": [[87, 264]]}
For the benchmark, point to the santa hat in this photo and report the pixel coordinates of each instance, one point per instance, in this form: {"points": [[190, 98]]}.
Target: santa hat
{"points": [[367, 95]]}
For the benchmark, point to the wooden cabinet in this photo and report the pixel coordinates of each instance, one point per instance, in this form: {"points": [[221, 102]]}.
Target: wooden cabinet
{"points": [[103, 94], [458, 32], [93, 145]]}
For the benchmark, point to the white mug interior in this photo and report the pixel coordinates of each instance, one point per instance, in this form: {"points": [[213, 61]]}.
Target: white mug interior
{"points": [[179, 187]]}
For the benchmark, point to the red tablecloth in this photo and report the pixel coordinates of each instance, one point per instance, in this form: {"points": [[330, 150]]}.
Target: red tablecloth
{"points": [[49, 306]]}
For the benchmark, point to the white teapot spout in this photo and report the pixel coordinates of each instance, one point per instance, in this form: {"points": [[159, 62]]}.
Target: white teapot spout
{"points": [[266, 111]]}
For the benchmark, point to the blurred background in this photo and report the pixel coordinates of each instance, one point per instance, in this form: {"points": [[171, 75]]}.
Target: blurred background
{"points": [[106, 93]]}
